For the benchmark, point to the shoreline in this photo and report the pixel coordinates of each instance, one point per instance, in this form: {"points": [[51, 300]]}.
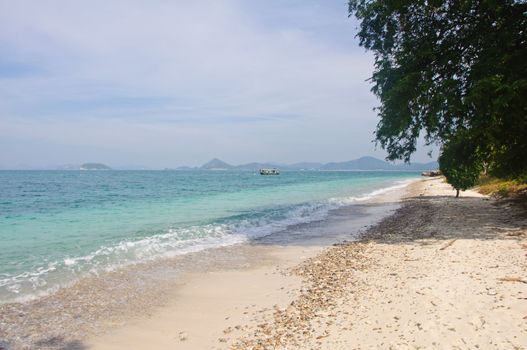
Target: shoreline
{"points": [[305, 213], [100, 304], [439, 273], [433, 274], [427, 276]]}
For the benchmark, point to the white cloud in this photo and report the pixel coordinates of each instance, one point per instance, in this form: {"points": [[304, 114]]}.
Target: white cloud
{"points": [[240, 80]]}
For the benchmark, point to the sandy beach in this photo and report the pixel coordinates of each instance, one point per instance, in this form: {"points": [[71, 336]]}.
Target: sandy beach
{"points": [[438, 273], [263, 175]]}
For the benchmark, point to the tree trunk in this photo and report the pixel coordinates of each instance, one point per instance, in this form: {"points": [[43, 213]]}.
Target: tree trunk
{"points": [[457, 193]]}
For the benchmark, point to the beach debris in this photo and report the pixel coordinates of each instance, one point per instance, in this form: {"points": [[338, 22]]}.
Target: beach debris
{"points": [[491, 292], [448, 244], [516, 233], [183, 336], [325, 335], [478, 323], [326, 280], [513, 279]]}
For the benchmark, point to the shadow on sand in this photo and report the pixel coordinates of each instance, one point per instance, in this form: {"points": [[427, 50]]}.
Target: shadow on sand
{"points": [[54, 342], [446, 217]]}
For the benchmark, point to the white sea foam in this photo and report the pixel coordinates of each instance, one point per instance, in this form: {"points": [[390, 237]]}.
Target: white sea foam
{"points": [[373, 194]]}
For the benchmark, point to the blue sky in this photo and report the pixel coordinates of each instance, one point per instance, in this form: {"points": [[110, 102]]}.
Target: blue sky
{"points": [[168, 83]]}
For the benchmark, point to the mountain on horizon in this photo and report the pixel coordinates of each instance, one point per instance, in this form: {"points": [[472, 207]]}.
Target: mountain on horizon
{"points": [[216, 164], [363, 163]]}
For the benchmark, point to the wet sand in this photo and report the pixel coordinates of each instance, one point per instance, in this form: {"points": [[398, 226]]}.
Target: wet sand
{"points": [[438, 273]]}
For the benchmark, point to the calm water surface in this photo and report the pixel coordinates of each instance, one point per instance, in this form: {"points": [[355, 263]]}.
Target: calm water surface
{"points": [[56, 226]]}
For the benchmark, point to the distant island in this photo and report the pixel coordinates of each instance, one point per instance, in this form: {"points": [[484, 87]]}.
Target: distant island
{"points": [[94, 166], [216, 164], [363, 163]]}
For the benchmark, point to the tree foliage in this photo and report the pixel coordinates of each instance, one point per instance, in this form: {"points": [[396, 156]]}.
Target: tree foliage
{"points": [[450, 69], [460, 162]]}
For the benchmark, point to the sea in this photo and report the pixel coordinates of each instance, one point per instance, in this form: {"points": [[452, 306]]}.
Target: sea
{"points": [[59, 226]]}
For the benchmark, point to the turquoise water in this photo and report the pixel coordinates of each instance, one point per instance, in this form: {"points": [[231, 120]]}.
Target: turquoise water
{"points": [[56, 226]]}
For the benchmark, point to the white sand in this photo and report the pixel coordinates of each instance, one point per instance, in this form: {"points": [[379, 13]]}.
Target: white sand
{"points": [[212, 308]]}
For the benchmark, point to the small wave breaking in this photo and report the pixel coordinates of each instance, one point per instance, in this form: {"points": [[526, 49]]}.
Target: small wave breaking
{"points": [[175, 241]]}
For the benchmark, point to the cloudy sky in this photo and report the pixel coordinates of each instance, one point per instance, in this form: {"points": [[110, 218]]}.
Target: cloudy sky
{"points": [[168, 83]]}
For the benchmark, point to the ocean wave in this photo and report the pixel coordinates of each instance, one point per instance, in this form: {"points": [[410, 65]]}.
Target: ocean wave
{"points": [[176, 241]]}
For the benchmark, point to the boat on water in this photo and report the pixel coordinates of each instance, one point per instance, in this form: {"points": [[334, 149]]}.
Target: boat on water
{"points": [[269, 171]]}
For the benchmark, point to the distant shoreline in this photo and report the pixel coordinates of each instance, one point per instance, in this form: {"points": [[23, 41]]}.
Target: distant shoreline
{"points": [[363, 163], [216, 170]]}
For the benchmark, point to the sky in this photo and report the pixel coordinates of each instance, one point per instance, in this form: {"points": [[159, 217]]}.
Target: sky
{"points": [[170, 83]]}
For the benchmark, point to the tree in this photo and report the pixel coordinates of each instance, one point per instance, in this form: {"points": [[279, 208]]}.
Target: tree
{"points": [[445, 66], [460, 162]]}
